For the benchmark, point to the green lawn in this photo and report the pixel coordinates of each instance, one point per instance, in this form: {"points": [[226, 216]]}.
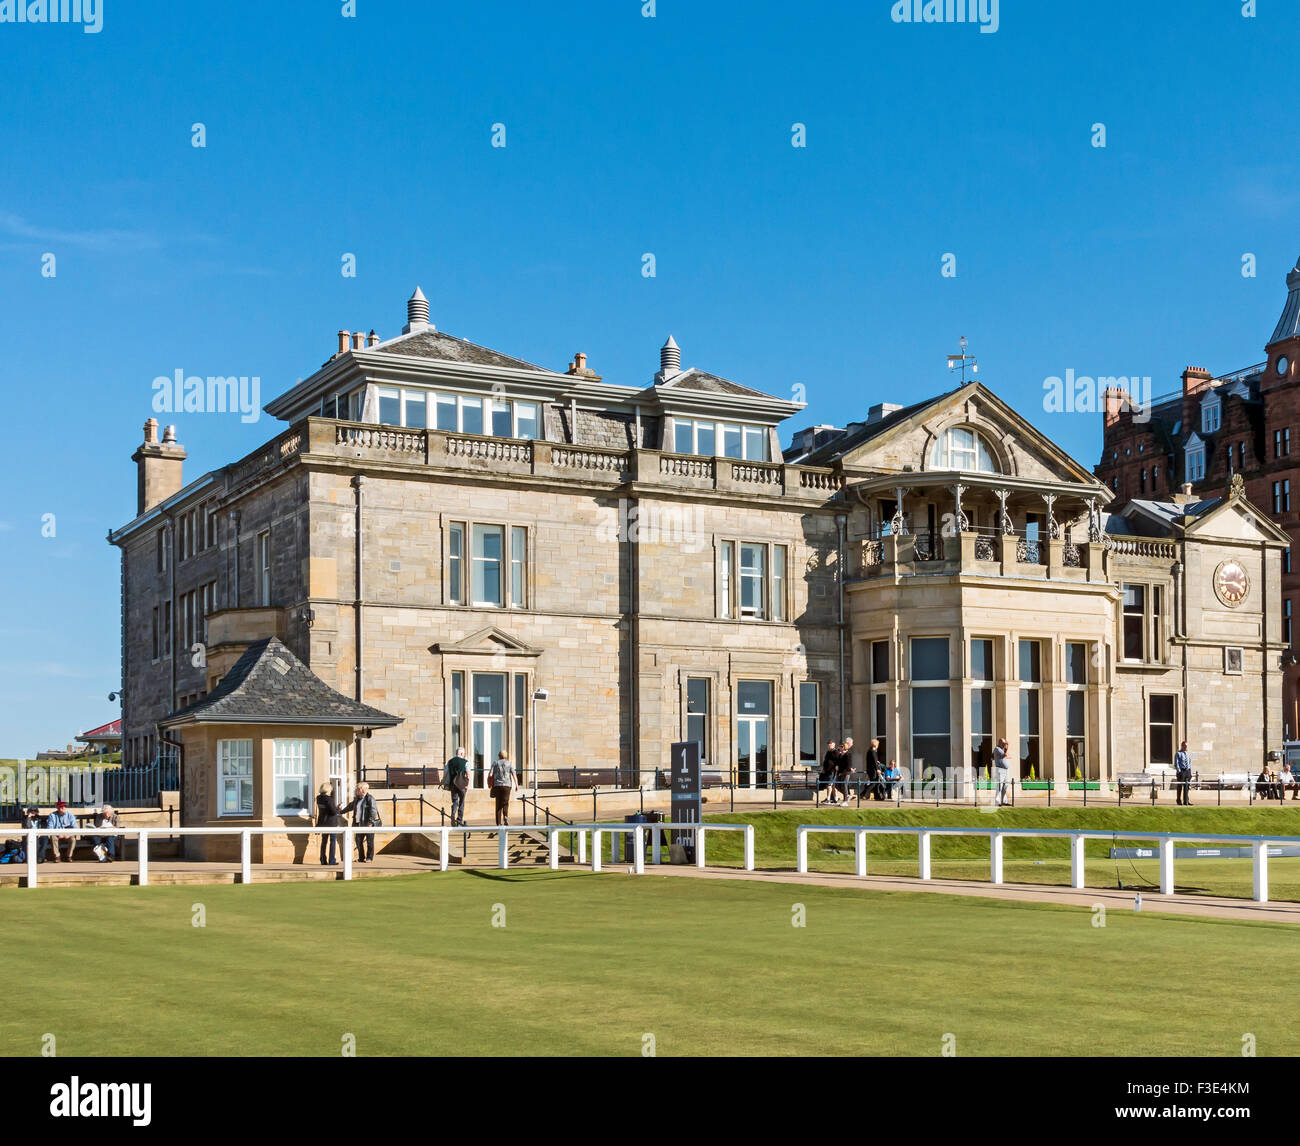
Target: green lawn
{"points": [[1024, 860], [589, 964]]}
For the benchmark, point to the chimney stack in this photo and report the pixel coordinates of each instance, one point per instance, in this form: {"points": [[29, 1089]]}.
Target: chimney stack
{"points": [[417, 313], [1116, 401], [344, 336], [372, 339], [357, 338], [159, 467]]}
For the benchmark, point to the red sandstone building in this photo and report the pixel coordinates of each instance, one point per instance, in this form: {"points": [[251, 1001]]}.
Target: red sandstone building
{"points": [[1214, 428]]}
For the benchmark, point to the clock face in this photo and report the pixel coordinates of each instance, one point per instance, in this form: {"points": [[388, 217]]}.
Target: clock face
{"points": [[1231, 583], [1282, 366]]}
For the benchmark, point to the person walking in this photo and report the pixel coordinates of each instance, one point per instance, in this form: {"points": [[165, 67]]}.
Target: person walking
{"points": [[1182, 775], [328, 815], [826, 777], [844, 769], [365, 814], [503, 782], [1001, 773], [456, 780], [1295, 780]]}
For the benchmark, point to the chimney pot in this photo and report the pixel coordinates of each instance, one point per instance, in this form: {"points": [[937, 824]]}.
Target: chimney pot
{"points": [[151, 431], [417, 312], [372, 339], [357, 339], [670, 358], [169, 436]]}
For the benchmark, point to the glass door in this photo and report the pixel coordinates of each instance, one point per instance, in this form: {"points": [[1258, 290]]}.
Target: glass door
{"points": [[754, 714], [489, 723]]}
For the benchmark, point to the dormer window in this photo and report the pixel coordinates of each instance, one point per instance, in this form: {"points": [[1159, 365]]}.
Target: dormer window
{"points": [[458, 413], [721, 439], [1211, 411], [961, 448], [1195, 462]]}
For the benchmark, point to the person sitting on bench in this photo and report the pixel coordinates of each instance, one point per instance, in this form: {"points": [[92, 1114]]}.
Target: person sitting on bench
{"points": [[61, 818], [105, 847]]}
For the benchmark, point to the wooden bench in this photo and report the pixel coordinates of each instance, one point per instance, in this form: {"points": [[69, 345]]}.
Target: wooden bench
{"points": [[414, 777]]}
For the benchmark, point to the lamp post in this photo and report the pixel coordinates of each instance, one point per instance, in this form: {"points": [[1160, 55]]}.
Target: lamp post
{"points": [[539, 694]]}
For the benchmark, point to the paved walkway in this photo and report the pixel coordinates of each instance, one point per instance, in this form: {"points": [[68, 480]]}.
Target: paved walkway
{"points": [[1115, 900], [171, 871]]}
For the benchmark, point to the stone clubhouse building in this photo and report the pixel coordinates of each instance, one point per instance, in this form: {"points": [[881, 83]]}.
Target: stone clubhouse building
{"points": [[583, 572]]}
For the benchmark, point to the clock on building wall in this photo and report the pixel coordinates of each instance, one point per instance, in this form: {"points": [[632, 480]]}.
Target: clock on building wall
{"points": [[1231, 583]]}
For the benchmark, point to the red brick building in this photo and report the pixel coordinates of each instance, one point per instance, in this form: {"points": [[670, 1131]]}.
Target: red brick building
{"points": [[1212, 429]]}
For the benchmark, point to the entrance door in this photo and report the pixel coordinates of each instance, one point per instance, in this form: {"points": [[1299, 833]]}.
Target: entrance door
{"points": [[753, 727], [489, 722]]}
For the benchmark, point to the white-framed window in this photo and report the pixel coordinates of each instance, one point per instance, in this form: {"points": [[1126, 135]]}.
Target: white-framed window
{"points": [[1195, 459], [1211, 414], [339, 769], [1076, 710], [1282, 496], [487, 562], [264, 567], [1281, 443], [961, 448], [752, 580], [235, 775], [753, 576], [291, 764], [518, 564], [459, 413], [721, 439], [456, 563], [809, 723]]}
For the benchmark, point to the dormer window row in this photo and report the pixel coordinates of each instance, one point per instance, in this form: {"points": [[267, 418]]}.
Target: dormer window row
{"points": [[459, 413], [720, 439]]}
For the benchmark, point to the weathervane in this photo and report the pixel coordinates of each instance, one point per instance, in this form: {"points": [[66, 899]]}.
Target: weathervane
{"points": [[963, 358]]}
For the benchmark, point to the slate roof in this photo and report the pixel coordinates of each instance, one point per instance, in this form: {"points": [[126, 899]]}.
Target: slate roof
{"points": [[1288, 326], [829, 451], [447, 348], [269, 685], [1167, 511], [693, 379]]}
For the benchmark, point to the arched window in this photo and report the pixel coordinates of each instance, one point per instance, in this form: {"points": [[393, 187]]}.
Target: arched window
{"points": [[961, 448]]}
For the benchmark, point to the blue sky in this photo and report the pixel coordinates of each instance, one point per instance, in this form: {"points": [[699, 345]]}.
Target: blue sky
{"points": [[776, 265]]}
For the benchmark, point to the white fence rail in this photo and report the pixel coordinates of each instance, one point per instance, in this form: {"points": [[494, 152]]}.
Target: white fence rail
{"points": [[1165, 842], [584, 833]]}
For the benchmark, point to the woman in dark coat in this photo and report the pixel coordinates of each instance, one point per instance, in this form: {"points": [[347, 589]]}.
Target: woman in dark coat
{"points": [[826, 777], [328, 815]]}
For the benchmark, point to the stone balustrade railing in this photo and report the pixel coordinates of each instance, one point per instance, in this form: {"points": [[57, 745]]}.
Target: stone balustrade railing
{"points": [[1156, 547], [325, 437]]}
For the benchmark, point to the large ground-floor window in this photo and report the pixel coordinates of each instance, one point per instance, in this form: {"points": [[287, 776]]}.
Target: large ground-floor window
{"points": [[292, 772], [809, 723], [1160, 727]]}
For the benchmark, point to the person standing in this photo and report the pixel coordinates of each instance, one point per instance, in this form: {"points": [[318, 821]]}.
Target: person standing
{"points": [[105, 847], [1001, 773], [503, 782], [456, 781], [1182, 774], [871, 766], [328, 815], [365, 814], [826, 777]]}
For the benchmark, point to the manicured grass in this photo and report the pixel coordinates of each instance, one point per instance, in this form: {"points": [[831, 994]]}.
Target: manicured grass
{"points": [[590, 964], [1025, 860]]}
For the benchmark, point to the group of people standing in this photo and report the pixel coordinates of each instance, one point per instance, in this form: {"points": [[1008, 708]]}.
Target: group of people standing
{"points": [[365, 814], [837, 772]]}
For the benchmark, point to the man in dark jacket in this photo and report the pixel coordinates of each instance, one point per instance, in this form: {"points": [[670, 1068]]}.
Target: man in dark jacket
{"points": [[826, 777], [1182, 775], [456, 781], [365, 814]]}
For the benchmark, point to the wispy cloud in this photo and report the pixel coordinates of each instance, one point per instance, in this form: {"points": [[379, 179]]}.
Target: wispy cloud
{"points": [[102, 239]]}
